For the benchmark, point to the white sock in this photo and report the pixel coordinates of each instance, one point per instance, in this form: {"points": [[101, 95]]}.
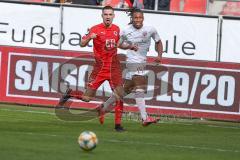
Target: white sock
{"points": [[140, 101], [109, 104]]}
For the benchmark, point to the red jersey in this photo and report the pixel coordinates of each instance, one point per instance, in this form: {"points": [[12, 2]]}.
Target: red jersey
{"points": [[107, 66], [105, 44]]}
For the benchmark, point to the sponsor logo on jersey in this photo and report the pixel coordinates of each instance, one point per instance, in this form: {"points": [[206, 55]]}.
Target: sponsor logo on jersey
{"points": [[145, 34], [115, 33]]}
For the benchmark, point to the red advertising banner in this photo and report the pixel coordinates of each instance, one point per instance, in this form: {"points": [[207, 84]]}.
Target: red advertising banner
{"points": [[180, 87]]}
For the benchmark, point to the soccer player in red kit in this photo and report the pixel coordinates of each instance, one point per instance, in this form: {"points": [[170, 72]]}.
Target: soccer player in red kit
{"points": [[105, 38]]}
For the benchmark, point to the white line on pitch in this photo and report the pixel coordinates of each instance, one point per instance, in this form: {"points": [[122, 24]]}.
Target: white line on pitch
{"points": [[17, 110], [172, 145], [165, 122], [138, 142]]}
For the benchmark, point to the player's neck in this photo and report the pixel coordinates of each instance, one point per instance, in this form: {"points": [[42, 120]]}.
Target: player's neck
{"points": [[107, 25], [139, 27]]}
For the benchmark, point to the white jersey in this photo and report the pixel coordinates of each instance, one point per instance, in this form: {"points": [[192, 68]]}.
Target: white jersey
{"points": [[142, 38]]}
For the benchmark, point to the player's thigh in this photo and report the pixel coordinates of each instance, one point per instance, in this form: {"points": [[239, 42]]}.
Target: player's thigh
{"points": [[140, 82], [128, 86], [92, 86], [119, 92], [89, 94]]}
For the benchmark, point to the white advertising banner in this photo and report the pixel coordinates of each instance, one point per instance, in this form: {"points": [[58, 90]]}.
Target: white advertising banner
{"points": [[77, 21], [28, 25], [186, 37], [230, 51], [38, 26], [182, 36]]}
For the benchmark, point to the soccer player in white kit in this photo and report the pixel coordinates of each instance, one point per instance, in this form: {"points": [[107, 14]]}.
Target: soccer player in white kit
{"points": [[139, 37]]}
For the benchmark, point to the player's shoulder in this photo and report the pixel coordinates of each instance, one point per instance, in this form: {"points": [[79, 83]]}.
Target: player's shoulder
{"points": [[129, 28], [147, 27], [97, 26], [115, 26]]}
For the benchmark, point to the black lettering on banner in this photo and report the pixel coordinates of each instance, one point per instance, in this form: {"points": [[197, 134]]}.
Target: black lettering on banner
{"points": [[188, 46], [52, 34], [39, 34], [6, 24], [77, 39], [20, 39], [165, 50], [174, 45]]}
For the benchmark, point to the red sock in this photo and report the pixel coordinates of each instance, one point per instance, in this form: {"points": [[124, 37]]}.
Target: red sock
{"points": [[76, 94], [118, 112]]}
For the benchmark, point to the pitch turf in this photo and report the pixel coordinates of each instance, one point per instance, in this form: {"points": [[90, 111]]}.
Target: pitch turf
{"points": [[32, 133]]}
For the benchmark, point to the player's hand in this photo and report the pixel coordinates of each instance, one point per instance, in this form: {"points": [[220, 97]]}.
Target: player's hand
{"points": [[133, 47], [158, 60], [93, 35]]}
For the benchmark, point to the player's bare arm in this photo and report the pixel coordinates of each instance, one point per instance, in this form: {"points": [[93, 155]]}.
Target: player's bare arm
{"points": [[85, 42], [124, 45], [159, 50]]}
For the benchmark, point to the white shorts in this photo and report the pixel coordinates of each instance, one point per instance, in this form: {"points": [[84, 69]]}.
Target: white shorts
{"points": [[134, 69]]}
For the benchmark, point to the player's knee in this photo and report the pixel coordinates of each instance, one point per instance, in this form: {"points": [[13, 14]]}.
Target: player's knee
{"points": [[118, 97], [127, 91], [86, 98], [139, 93], [140, 87], [119, 93]]}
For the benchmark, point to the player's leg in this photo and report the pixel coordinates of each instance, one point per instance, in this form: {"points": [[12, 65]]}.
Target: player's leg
{"points": [[139, 91], [116, 84], [64, 98], [137, 75], [110, 103], [117, 98], [116, 101], [118, 116], [140, 87], [119, 92], [94, 81], [127, 87], [88, 95]]}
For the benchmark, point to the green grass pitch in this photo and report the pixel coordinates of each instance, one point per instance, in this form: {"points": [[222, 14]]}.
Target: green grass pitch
{"points": [[33, 133]]}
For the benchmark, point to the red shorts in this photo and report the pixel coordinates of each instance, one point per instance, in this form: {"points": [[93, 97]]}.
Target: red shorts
{"points": [[100, 73]]}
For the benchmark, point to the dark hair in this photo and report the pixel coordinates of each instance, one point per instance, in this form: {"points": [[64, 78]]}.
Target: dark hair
{"points": [[107, 7], [131, 11]]}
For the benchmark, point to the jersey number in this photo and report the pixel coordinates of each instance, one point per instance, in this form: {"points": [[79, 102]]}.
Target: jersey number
{"points": [[110, 43]]}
